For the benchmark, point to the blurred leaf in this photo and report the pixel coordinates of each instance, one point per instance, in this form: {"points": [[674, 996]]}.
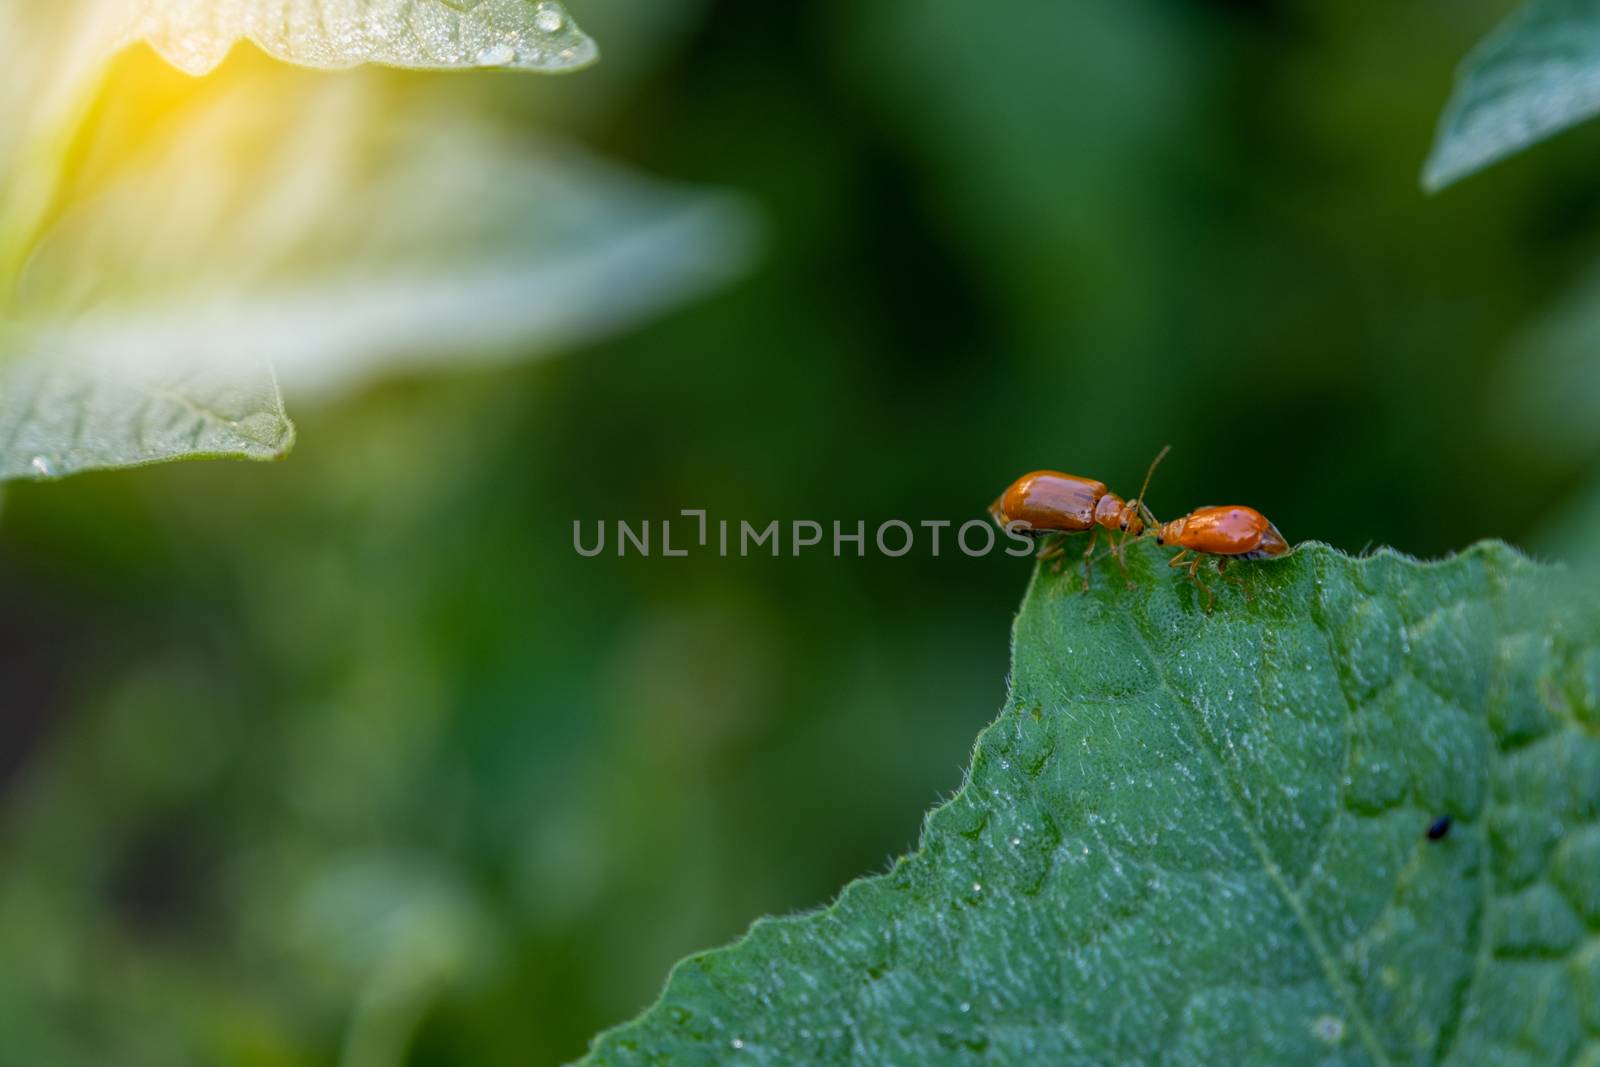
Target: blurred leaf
{"points": [[195, 35], [60, 52], [1201, 838], [139, 396], [1535, 75], [56, 59], [308, 230]]}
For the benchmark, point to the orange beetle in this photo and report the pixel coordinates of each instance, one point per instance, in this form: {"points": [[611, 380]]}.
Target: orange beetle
{"points": [[1046, 502], [1230, 532]]}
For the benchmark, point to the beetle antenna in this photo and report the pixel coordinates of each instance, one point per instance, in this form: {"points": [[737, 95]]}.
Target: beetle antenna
{"points": [[1151, 472], [1138, 501]]}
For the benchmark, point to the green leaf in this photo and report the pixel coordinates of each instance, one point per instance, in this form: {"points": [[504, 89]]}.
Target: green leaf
{"points": [[195, 35], [1201, 838], [1535, 75], [62, 413]]}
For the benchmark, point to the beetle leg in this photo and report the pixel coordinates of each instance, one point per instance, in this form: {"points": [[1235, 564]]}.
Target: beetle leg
{"points": [[1178, 560], [1050, 548], [1222, 570], [1194, 576], [1122, 565], [1056, 551], [1116, 553], [1087, 562]]}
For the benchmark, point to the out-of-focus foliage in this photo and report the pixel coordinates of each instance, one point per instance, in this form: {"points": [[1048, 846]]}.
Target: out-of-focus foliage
{"points": [[289, 222], [234, 693], [292, 221], [297, 222], [1550, 387], [1549, 408], [1536, 75], [1201, 837]]}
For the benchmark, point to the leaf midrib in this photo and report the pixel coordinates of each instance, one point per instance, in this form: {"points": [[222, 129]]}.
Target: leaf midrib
{"points": [[1205, 743]]}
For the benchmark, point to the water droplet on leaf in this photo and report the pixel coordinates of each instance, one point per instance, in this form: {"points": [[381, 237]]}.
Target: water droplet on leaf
{"points": [[548, 18], [495, 55]]}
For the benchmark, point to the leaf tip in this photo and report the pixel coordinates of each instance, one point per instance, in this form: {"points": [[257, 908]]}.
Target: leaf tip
{"points": [[1450, 161], [1436, 176]]}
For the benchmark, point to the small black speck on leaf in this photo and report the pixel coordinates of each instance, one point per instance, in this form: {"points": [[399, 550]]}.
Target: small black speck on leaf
{"points": [[1439, 827]]}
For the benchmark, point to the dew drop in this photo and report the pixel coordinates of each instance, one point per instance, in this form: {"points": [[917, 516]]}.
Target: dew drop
{"points": [[977, 887], [965, 1007], [495, 55], [547, 18], [41, 467], [737, 1043]]}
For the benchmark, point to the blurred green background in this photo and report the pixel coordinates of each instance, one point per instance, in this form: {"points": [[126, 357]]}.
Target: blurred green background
{"points": [[352, 759]]}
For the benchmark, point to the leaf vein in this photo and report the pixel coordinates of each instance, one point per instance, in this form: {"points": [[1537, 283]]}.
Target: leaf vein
{"points": [[1206, 745]]}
